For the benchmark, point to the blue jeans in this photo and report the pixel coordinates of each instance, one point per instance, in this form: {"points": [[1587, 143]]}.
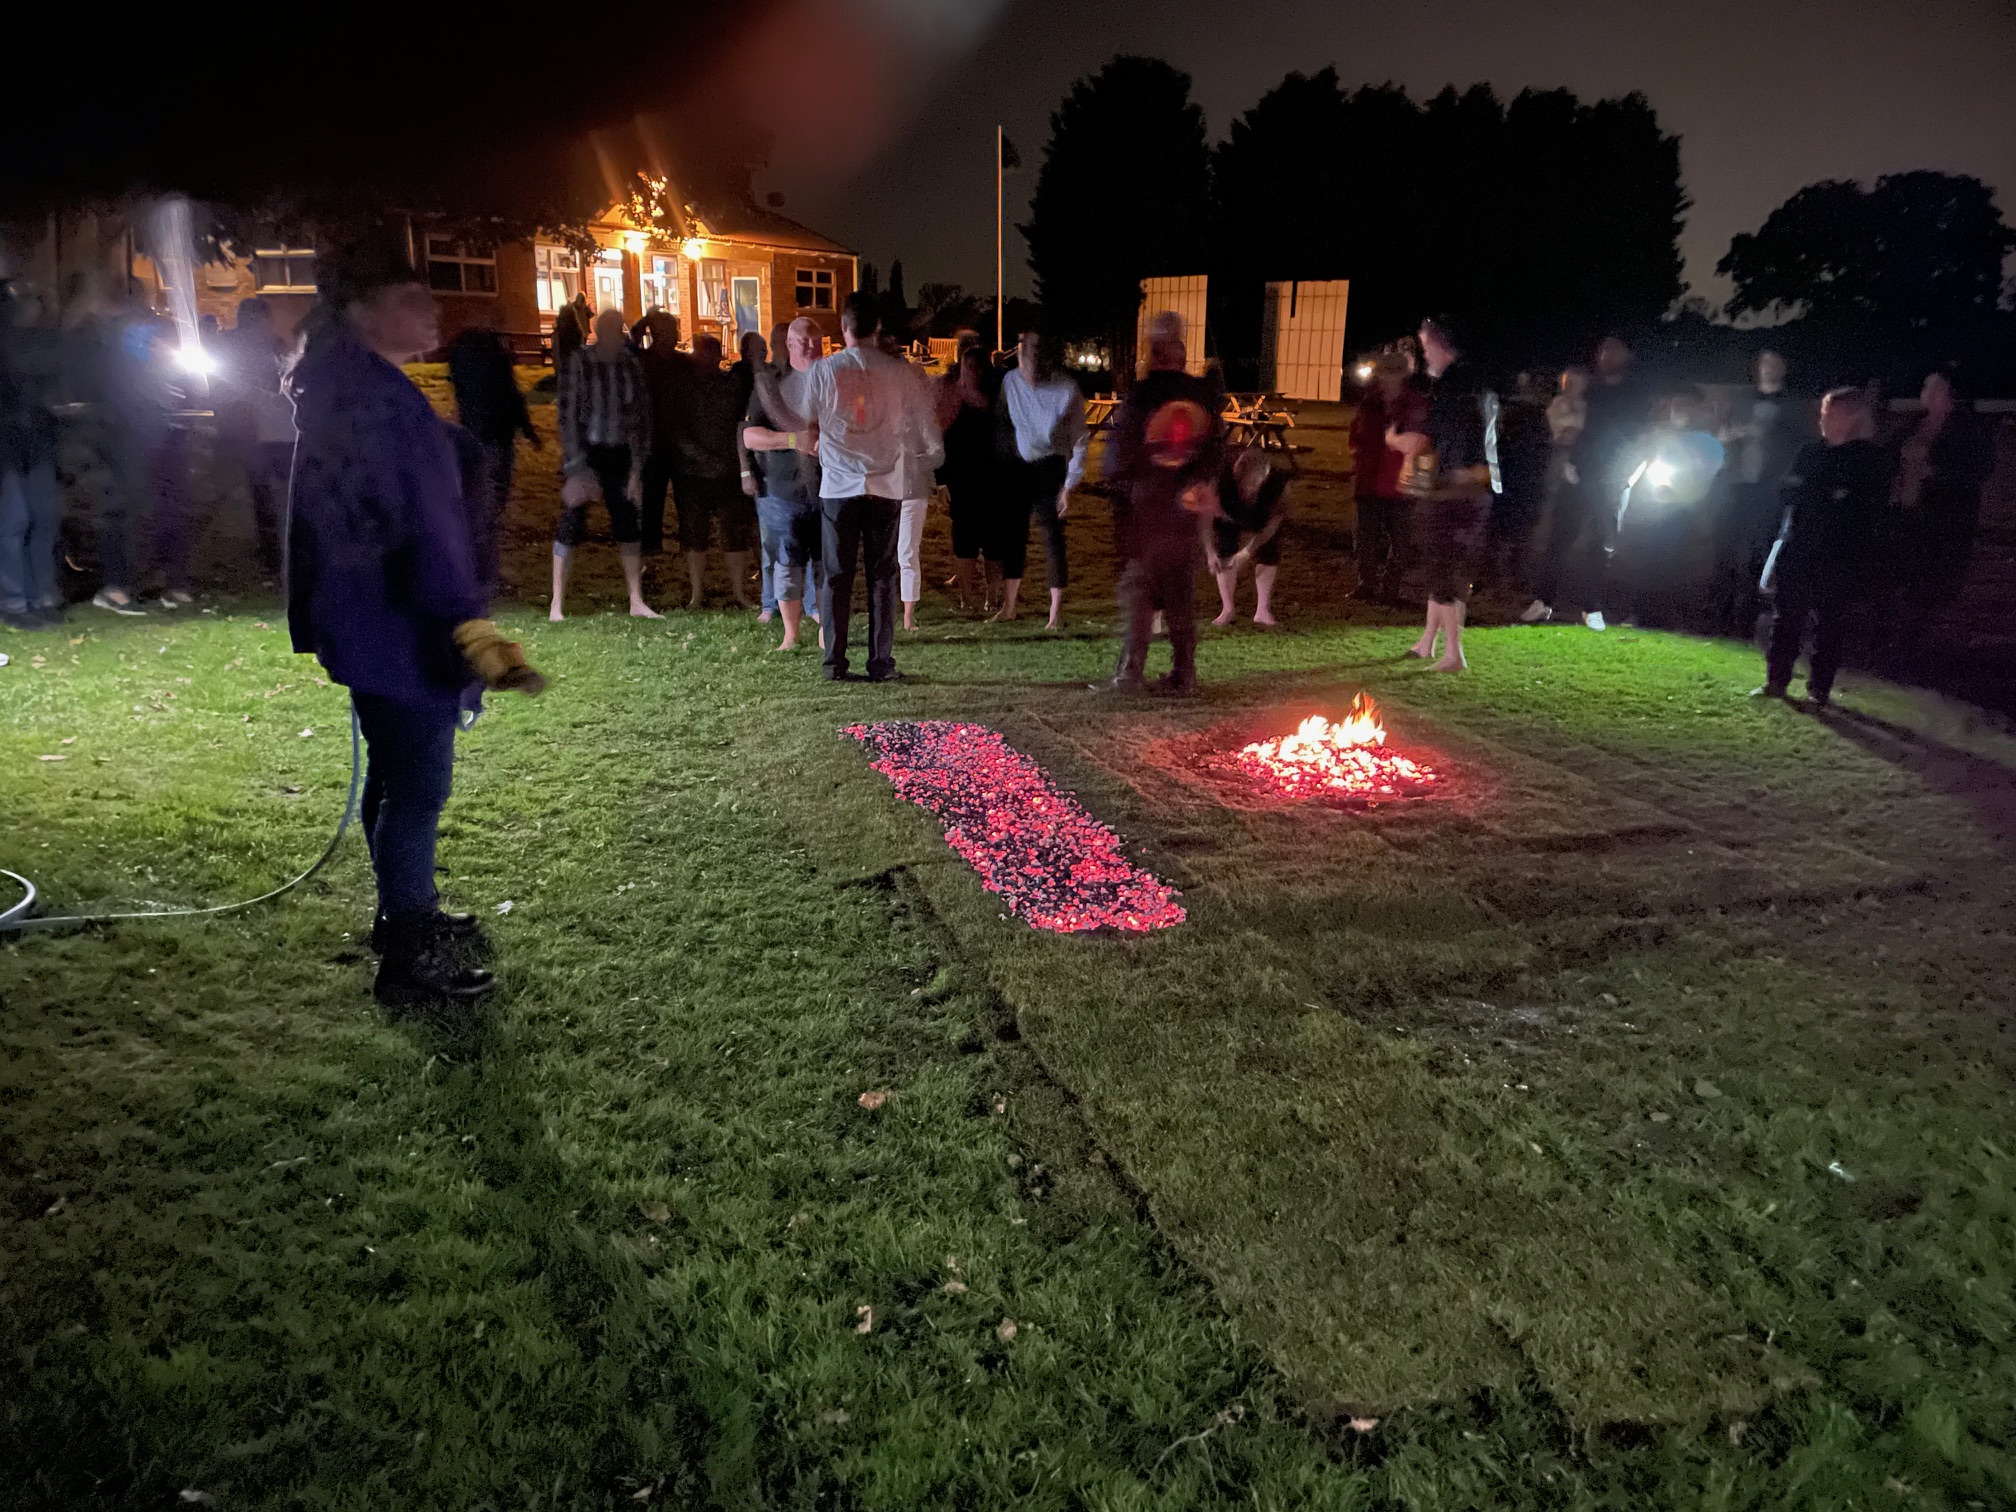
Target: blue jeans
{"points": [[409, 767], [30, 507], [791, 548]]}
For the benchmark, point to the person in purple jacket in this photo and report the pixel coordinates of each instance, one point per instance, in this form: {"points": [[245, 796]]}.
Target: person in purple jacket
{"points": [[382, 588]]}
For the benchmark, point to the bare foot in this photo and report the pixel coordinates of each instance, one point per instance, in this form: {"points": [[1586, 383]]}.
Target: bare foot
{"points": [[641, 610], [909, 622], [694, 603], [766, 616], [1450, 664], [1053, 623], [554, 613], [1002, 615], [1262, 617], [1224, 618], [789, 643], [1422, 648]]}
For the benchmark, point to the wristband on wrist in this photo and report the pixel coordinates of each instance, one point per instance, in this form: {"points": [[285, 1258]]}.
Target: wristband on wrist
{"points": [[791, 439]]}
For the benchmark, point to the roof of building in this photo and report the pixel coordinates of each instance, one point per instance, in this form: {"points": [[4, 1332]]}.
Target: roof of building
{"points": [[753, 223]]}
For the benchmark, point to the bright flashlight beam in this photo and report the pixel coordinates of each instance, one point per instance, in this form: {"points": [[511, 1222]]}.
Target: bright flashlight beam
{"points": [[194, 359], [1364, 371], [1660, 474]]}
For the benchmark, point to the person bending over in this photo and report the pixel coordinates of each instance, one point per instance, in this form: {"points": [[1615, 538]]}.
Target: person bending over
{"points": [[1253, 495]]}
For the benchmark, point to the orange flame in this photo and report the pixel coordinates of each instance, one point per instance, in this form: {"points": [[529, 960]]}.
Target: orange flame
{"points": [[1346, 758]]}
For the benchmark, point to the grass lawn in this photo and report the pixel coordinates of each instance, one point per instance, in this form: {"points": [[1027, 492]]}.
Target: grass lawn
{"points": [[1629, 1126]]}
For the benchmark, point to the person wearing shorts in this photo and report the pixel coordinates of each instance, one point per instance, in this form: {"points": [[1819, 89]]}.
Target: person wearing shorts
{"points": [[708, 484], [605, 434], [1253, 495]]}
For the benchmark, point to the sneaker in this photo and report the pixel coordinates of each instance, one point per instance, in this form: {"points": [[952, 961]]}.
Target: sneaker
{"points": [[1172, 686], [1821, 699], [1594, 620], [1768, 690], [1537, 612], [890, 676], [175, 598], [1118, 685], [21, 619], [103, 599]]}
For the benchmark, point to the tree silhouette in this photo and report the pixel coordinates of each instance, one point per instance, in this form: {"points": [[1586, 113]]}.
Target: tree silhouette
{"points": [[894, 308], [1547, 221], [1123, 194]]}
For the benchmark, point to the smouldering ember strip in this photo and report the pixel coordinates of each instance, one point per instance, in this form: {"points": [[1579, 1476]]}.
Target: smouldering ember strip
{"points": [[1343, 760], [1056, 866]]}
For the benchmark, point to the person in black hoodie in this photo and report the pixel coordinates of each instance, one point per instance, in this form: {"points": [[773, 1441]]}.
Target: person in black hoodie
{"points": [[1836, 496], [492, 409]]}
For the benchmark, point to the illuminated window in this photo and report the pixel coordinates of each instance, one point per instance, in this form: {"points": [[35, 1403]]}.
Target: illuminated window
{"points": [[661, 284], [815, 288], [453, 269], [557, 275], [284, 270]]}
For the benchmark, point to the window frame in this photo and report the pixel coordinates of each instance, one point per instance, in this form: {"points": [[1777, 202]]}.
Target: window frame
{"points": [[458, 257], [814, 282], [289, 256]]}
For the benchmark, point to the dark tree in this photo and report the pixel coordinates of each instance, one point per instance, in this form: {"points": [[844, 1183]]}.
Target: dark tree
{"points": [[1546, 221], [895, 309], [1123, 194], [1914, 259]]}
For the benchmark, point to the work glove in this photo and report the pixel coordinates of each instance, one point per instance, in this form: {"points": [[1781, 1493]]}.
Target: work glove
{"points": [[499, 662]]}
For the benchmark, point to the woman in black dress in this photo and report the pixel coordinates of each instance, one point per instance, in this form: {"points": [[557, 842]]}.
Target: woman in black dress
{"points": [[971, 475]]}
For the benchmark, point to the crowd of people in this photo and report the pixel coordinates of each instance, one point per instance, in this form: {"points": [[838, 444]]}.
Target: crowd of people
{"points": [[1615, 498]]}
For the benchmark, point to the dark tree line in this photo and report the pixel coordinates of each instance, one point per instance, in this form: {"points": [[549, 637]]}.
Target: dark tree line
{"points": [[1547, 221]]}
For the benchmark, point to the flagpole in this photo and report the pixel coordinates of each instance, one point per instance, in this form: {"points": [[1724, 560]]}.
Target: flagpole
{"points": [[998, 335]]}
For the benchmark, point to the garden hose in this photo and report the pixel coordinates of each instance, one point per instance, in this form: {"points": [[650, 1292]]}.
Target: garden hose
{"points": [[15, 919]]}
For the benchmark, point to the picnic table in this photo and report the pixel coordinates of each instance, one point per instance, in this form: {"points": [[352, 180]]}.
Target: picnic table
{"points": [[1249, 421]]}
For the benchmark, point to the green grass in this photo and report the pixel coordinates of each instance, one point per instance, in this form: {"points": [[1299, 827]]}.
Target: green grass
{"points": [[1522, 1120]]}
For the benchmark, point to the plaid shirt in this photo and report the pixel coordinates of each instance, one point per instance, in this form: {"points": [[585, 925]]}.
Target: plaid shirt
{"points": [[602, 403]]}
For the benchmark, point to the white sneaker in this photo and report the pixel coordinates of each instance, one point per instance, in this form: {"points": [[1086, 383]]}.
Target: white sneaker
{"points": [[1594, 620], [103, 600], [1537, 611]]}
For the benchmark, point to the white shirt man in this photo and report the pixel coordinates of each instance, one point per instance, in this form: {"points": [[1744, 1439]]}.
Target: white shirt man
{"points": [[869, 409]]}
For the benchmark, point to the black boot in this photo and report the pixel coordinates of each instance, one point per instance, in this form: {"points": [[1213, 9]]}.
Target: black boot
{"points": [[463, 928], [423, 968]]}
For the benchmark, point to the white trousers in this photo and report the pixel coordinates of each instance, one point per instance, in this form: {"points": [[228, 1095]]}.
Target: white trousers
{"points": [[910, 550]]}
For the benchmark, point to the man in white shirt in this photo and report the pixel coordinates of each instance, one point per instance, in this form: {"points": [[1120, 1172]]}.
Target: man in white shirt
{"points": [[867, 407]]}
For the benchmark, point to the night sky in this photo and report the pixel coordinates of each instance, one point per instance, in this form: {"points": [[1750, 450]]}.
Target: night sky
{"points": [[887, 148]]}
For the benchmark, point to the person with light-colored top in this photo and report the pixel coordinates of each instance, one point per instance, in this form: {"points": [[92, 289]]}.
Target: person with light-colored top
{"points": [[914, 480], [867, 407], [1044, 441]]}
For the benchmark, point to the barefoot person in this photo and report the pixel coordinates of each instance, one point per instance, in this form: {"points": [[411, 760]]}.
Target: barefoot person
{"points": [[605, 434], [382, 589], [1253, 495], [1043, 460], [1453, 460], [786, 479]]}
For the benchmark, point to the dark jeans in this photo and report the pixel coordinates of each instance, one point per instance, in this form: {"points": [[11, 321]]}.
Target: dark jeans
{"points": [[1031, 488], [31, 508], [657, 480], [268, 466], [176, 524], [791, 549], [1745, 527], [1379, 539], [486, 513], [860, 530], [408, 771], [1829, 602], [1575, 542], [1160, 575], [111, 466]]}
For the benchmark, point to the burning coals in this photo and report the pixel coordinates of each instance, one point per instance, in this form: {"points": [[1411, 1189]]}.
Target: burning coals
{"points": [[1056, 866], [1346, 761]]}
